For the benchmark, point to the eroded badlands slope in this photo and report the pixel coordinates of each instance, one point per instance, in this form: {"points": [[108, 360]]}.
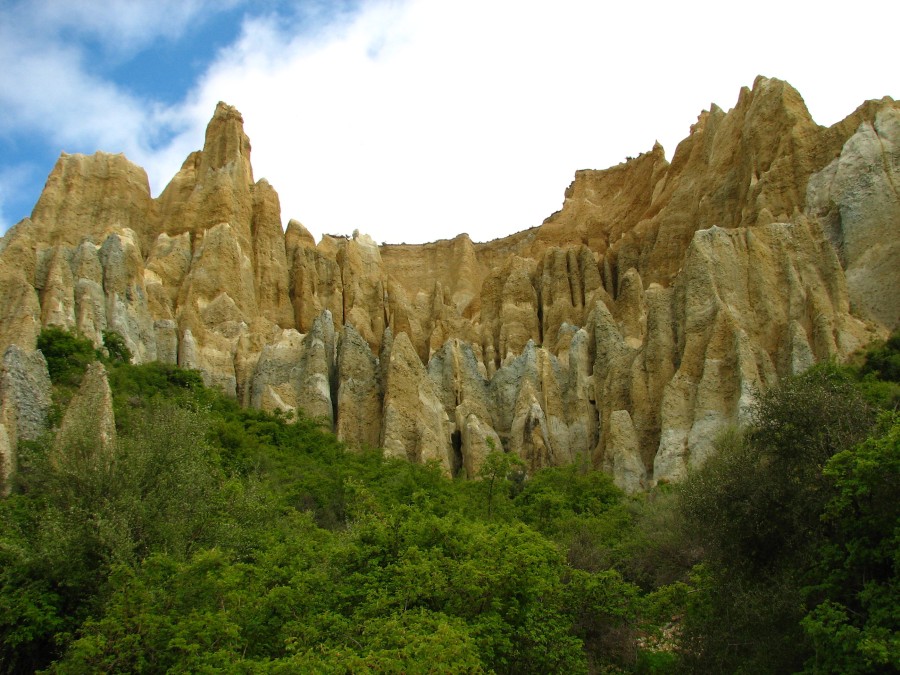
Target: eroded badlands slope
{"points": [[624, 331]]}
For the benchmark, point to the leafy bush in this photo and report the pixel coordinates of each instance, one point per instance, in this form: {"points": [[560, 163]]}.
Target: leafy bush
{"points": [[879, 374], [116, 347], [79, 518], [853, 624], [884, 360], [756, 510], [67, 355], [228, 539]]}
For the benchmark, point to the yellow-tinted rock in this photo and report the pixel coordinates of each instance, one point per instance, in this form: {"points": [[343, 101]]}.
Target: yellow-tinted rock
{"points": [[91, 196], [88, 427], [625, 330], [359, 395], [269, 257], [24, 405], [415, 425], [856, 197]]}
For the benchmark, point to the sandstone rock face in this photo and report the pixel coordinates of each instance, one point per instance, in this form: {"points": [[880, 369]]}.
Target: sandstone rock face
{"points": [[24, 393], [20, 321], [624, 454], [751, 305], [625, 331], [7, 462], [90, 196], [748, 166], [88, 425], [359, 396], [24, 405], [857, 199], [269, 257], [89, 297], [296, 372], [466, 399], [415, 425], [127, 310], [274, 385]]}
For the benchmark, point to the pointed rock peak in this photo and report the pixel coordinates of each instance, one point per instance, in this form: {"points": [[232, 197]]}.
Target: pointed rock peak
{"points": [[402, 348], [25, 392], [653, 156], [228, 112], [352, 336], [86, 194], [363, 239], [226, 143], [88, 426], [762, 81], [700, 124], [771, 95], [192, 162], [763, 85], [297, 235], [323, 325]]}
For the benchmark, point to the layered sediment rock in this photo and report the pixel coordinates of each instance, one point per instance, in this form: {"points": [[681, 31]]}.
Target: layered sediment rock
{"points": [[415, 425], [24, 405], [88, 426], [857, 199], [625, 331]]}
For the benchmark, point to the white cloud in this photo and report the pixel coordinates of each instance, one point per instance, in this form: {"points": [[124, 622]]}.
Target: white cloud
{"points": [[422, 119], [49, 92], [51, 88]]}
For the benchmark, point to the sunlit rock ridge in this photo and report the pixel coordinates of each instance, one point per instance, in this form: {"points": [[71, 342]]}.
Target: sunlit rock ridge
{"points": [[623, 332]]}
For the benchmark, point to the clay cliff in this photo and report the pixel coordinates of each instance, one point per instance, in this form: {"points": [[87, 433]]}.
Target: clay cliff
{"points": [[624, 331]]}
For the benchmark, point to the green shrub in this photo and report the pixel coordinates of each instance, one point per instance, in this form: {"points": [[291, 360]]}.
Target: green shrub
{"points": [[116, 347], [235, 540], [756, 508], [67, 355], [853, 625], [884, 360]]}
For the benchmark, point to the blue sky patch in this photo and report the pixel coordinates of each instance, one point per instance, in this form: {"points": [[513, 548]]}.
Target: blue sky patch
{"points": [[167, 69], [156, 66]]}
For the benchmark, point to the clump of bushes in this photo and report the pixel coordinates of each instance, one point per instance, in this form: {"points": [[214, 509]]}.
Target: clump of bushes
{"points": [[116, 347], [67, 355]]}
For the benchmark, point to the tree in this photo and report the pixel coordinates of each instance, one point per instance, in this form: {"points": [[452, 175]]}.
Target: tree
{"points": [[755, 509], [78, 519], [854, 624], [67, 355], [116, 347], [497, 466], [884, 360]]}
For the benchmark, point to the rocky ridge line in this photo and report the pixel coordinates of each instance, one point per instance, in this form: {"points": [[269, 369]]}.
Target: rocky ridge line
{"points": [[622, 332]]}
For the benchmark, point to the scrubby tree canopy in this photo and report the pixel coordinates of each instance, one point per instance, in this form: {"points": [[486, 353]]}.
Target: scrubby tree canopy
{"points": [[219, 539]]}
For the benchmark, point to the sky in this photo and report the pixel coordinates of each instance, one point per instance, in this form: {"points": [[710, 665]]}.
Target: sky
{"points": [[410, 120]]}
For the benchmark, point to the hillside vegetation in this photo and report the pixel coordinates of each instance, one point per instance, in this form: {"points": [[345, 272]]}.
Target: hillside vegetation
{"points": [[221, 539]]}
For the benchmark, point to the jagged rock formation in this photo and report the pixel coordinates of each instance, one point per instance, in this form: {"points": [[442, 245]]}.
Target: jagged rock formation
{"points": [[857, 200], [24, 405], [88, 426], [624, 331]]}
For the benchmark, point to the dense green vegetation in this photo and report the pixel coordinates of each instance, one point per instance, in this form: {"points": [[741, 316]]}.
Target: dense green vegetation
{"points": [[218, 539]]}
